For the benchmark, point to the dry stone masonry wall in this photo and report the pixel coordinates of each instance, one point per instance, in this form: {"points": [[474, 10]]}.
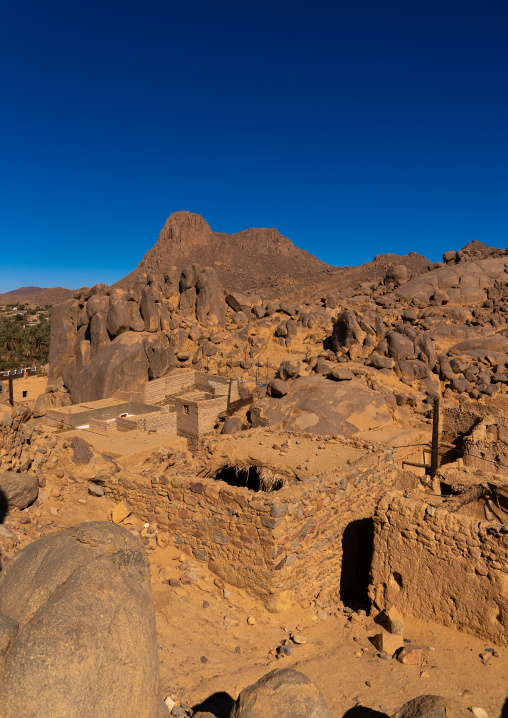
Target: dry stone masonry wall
{"points": [[282, 546]]}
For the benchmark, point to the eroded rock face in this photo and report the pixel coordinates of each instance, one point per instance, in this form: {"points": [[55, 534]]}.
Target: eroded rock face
{"points": [[87, 642], [283, 693], [317, 405]]}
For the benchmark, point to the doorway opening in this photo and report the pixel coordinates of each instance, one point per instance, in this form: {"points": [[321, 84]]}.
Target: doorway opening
{"points": [[357, 548]]}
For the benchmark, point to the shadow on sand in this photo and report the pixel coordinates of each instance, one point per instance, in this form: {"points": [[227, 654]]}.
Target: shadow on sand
{"points": [[220, 704]]}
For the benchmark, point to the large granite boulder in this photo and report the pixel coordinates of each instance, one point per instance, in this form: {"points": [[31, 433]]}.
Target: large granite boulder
{"points": [[87, 642], [319, 406], [124, 364], [282, 693]]}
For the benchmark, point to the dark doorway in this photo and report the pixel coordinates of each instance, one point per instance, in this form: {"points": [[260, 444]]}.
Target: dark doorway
{"points": [[250, 477], [357, 547]]}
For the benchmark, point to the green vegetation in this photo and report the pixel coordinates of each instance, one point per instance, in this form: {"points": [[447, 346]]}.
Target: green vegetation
{"points": [[28, 342]]}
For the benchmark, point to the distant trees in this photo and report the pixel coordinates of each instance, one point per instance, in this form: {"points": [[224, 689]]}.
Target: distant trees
{"points": [[29, 344]]}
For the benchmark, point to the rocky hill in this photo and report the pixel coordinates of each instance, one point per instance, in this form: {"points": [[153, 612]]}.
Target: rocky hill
{"points": [[36, 296], [258, 260]]}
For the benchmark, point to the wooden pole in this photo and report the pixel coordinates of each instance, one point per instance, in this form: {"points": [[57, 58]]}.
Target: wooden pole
{"points": [[11, 391], [434, 458], [229, 393]]}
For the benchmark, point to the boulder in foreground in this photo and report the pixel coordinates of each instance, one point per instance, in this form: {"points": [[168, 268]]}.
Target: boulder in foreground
{"points": [[432, 707], [86, 644], [283, 693]]}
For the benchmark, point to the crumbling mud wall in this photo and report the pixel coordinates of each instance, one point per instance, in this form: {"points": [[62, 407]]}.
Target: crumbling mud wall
{"points": [[285, 545], [442, 566]]}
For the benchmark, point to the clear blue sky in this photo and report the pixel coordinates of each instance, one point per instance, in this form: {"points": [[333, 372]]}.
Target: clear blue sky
{"points": [[355, 127]]}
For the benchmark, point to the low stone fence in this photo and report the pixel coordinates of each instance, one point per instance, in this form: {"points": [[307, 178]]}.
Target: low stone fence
{"points": [[443, 566], [283, 546]]}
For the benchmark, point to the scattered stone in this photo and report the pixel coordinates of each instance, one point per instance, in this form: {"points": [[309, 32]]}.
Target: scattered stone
{"points": [[120, 512], [285, 650], [298, 639], [251, 621], [95, 490]]}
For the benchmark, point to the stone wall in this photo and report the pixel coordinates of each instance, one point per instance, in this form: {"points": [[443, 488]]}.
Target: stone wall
{"points": [[443, 566], [180, 380], [283, 546], [163, 421]]}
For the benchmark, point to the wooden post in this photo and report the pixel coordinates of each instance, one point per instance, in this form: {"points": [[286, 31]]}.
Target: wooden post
{"points": [[11, 390], [229, 394], [434, 457]]}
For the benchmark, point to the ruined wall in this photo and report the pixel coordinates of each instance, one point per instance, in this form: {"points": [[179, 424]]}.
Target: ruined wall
{"points": [[285, 545], [441, 566]]}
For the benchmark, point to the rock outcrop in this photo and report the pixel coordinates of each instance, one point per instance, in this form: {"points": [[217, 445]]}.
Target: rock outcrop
{"points": [[319, 406], [105, 340]]}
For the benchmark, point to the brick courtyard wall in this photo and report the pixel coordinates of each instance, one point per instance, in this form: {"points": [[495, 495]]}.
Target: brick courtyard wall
{"points": [[102, 425], [430, 562], [154, 391], [208, 411], [283, 546], [220, 384]]}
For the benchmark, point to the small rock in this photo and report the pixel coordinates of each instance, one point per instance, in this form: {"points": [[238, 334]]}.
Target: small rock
{"points": [[286, 650], [386, 643], [230, 621], [238, 649], [219, 583], [120, 512], [299, 639], [178, 712], [322, 615], [203, 659], [206, 604], [170, 703], [251, 621], [479, 712], [410, 656], [394, 622]]}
